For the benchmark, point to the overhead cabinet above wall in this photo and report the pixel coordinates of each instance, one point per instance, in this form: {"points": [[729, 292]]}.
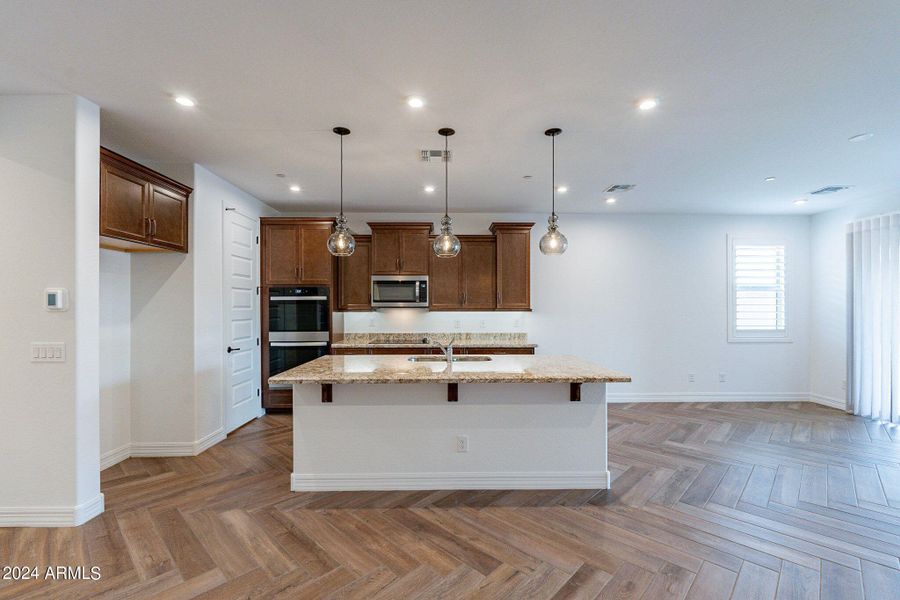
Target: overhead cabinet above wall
{"points": [[491, 272], [295, 251], [400, 248], [140, 209]]}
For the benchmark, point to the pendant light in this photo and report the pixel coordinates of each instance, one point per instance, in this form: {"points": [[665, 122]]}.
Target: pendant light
{"points": [[446, 245], [341, 242], [553, 242]]}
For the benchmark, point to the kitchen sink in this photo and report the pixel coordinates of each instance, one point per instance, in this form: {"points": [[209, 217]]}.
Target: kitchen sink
{"points": [[436, 358]]}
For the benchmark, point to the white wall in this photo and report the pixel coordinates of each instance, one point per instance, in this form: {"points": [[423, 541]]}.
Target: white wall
{"points": [[212, 195], [176, 330], [115, 356], [49, 184], [828, 336], [645, 294]]}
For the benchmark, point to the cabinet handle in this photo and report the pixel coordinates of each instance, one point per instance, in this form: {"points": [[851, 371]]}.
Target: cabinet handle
{"points": [[399, 268], [147, 225], [297, 272], [152, 226]]}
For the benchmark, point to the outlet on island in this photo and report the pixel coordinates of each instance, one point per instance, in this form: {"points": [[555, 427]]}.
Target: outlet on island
{"points": [[462, 443]]}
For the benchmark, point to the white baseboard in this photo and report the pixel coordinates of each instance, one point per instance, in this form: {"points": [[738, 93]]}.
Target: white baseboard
{"points": [[626, 397], [838, 403], [334, 482], [161, 449], [114, 456], [51, 516]]}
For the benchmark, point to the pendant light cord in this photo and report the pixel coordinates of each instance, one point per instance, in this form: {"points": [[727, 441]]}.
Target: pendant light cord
{"points": [[342, 175], [446, 179], [553, 174]]}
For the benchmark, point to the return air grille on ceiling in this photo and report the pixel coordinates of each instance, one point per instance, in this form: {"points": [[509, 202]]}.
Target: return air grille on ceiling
{"points": [[435, 155], [619, 187], [831, 189]]}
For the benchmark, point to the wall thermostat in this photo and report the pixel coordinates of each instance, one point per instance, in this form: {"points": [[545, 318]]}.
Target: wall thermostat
{"points": [[56, 299]]}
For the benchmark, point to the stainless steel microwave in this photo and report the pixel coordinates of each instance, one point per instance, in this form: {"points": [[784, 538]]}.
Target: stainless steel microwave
{"points": [[393, 291]]}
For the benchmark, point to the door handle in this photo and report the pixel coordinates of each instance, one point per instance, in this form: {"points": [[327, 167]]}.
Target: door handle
{"points": [[230, 349]]}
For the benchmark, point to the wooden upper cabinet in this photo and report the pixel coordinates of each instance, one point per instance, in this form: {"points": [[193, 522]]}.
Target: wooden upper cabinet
{"points": [[479, 272], [316, 262], [140, 208], [513, 265], [468, 280], [400, 248], [295, 251], [446, 283], [169, 217], [281, 254], [354, 275]]}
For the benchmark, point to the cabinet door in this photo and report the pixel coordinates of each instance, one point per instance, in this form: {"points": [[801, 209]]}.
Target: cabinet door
{"points": [[446, 283], [513, 269], [355, 272], [385, 252], [479, 274], [414, 252], [123, 200], [281, 254], [168, 218], [315, 260]]}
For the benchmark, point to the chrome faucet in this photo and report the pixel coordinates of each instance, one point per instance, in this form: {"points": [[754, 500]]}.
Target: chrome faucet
{"points": [[446, 349]]}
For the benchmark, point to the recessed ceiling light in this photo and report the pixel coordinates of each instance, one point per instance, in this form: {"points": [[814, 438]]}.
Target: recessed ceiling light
{"points": [[648, 103], [860, 137], [527, 177], [429, 189], [295, 188], [185, 101], [610, 200], [800, 201], [561, 189], [769, 179], [415, 102], [280, 175]]}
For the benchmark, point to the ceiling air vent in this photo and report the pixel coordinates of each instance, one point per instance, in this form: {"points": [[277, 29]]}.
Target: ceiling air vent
{"points": [[619, 187], [831, 189], [434, 155]]}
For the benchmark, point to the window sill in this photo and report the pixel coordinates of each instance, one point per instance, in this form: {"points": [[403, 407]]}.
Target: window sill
{"points": [[759, 340]]}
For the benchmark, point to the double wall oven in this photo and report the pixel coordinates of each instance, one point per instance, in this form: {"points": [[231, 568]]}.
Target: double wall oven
{"points": [[298, 327]]}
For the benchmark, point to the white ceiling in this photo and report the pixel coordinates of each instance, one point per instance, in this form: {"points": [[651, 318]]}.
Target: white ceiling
{"points": [[747, 90]]}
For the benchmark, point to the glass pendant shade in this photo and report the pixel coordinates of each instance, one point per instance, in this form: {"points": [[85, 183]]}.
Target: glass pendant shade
{"points": [[553, 242], [341, 242], [446, 245]]}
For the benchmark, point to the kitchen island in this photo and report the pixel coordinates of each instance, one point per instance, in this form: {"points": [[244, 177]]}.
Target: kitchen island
{"points": [[418, 422]]}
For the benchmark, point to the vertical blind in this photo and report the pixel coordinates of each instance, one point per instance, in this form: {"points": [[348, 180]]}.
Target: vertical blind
{"points": [[759, 300]]}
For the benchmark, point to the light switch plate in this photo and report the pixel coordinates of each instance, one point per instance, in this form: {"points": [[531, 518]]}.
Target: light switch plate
{"points": [[48, 352]]}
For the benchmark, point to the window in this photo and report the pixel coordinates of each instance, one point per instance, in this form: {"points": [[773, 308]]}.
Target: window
{"points": [[757, 295]]}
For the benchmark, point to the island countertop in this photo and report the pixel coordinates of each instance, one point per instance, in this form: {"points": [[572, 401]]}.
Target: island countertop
{"points": [[399, 369]]}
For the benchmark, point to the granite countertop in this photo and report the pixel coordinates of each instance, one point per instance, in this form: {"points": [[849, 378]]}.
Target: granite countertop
{"points": [[414, 340], [501, 369]]}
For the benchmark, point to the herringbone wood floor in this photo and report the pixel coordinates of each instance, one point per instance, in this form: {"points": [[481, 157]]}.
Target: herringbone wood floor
{"points": [[709, 501]]}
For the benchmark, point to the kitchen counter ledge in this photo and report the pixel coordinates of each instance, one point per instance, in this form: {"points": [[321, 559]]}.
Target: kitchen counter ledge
{"points": [[397, 369]]}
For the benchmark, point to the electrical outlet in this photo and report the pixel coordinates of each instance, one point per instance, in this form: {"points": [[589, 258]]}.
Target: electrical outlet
{"points": [[844, 385], [691, 378], [517, 324], [721, 377], [371, 322], [462, 443], [457, 324], [482, 324]]}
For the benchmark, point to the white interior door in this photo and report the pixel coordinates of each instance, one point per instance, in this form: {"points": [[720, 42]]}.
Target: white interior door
{"points": [[242, 362]]}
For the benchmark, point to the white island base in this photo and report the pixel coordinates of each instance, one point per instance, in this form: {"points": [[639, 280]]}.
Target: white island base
{"points": [[407, 437]]}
